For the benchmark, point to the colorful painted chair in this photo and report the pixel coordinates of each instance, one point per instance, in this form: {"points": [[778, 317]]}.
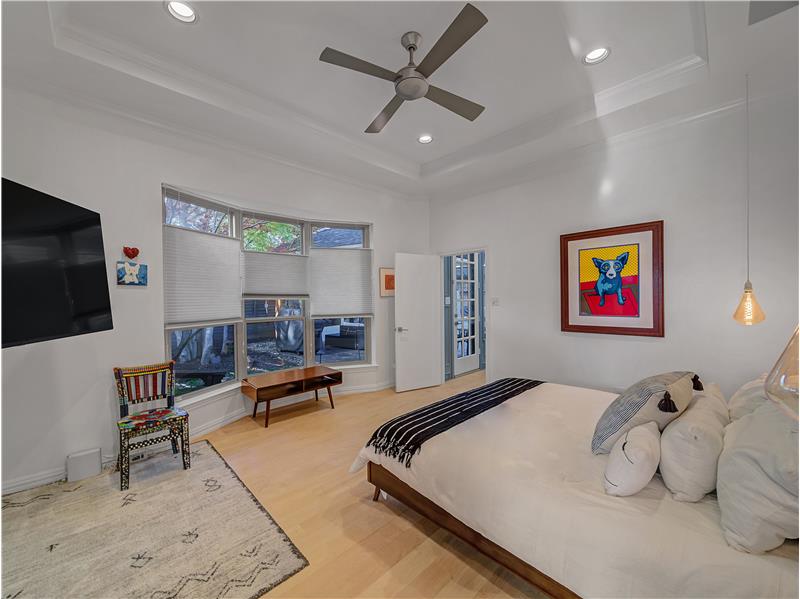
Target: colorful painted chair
{"points": [[139, 384]]}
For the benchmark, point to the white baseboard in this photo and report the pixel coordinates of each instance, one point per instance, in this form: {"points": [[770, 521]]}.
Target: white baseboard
{"points": [[48, 476], [34, 480], [213, 425]]}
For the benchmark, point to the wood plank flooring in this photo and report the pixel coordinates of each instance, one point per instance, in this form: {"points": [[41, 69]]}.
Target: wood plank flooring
{"points": [[298, 467]]}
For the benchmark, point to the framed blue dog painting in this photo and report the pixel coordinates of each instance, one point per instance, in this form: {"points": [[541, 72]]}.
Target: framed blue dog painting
{"points": [[612, 280]]}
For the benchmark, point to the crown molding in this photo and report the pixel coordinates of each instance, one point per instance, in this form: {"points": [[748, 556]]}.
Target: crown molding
{"points": [[308, 131], [136, 62], [169, 134], [667, 78], [585, 154]]}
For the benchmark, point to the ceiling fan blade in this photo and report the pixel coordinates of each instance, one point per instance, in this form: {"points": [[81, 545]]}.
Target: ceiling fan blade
{"points": [[383, 118], [356, 64], [461, 106], [463, 27]]}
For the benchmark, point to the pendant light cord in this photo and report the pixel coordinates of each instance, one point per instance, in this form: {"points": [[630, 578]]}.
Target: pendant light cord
{"points": [[747, 166]]}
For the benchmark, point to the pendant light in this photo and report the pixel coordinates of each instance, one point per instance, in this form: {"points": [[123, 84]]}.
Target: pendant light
{"points": [[748, 312]]}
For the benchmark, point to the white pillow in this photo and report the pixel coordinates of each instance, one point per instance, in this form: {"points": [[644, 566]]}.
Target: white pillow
{"points": [[757, 480], [691, 444], [633, 460], [747, 398]]}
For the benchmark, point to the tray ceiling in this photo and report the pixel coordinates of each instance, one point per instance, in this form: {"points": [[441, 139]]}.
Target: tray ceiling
{"points": [[247, 74]]}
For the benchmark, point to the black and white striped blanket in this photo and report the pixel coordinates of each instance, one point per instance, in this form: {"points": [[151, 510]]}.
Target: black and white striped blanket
{"points": [[402, 437]]}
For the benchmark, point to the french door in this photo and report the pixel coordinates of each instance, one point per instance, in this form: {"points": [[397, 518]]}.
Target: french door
{"points": [[466, 314]]}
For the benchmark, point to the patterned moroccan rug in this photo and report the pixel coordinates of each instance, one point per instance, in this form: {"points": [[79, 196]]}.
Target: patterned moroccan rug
{"points": [[195, 533]]}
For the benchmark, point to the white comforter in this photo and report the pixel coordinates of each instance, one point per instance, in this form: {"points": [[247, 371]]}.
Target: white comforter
{"points": [[522, 474]]}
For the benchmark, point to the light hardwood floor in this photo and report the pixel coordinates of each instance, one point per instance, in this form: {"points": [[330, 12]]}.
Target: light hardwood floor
{"points": [[298, 469]]}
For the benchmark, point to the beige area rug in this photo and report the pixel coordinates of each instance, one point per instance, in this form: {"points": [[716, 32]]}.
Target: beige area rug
{"points": [[196, 533]]}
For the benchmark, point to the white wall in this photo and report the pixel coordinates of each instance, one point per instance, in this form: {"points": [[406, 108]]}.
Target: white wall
{"points": [[691, 176], [58, 396]]}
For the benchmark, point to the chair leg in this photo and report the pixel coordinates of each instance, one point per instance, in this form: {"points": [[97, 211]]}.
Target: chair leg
{"points": [[174, 440], [316, 394], [330, 397], [124, 460], [185, 449], [376, 494]]}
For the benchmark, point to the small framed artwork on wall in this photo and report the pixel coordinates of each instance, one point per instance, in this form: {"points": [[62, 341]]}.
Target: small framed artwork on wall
{"points": [[386, 276], [612, 280]]}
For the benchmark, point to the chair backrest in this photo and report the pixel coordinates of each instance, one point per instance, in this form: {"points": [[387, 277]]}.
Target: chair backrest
{"points": [[137, 384]]}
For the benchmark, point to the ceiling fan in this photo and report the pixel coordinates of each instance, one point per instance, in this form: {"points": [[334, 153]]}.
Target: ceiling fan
{"points": [[411, 81]]}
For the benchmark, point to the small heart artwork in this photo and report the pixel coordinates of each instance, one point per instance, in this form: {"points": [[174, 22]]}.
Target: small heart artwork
{"points": [[131, 253]]}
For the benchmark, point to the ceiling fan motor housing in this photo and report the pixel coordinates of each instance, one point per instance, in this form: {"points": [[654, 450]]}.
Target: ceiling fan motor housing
{"points": [[410, 85]]}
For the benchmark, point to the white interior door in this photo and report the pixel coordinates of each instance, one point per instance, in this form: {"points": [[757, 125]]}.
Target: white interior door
{"points": [[466, 315], [417, 319]]}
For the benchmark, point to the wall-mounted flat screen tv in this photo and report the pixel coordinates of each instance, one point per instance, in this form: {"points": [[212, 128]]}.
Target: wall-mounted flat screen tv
{"points": [[55, 282]]}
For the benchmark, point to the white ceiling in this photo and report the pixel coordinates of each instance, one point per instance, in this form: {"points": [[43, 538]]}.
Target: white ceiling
{"points": [[247, 75]]}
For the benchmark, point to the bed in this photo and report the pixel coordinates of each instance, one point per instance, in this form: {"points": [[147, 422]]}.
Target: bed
{"points": [[521, 484]]}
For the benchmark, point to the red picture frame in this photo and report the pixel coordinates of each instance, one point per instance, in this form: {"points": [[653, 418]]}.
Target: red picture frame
{"points": [[568, 324]]}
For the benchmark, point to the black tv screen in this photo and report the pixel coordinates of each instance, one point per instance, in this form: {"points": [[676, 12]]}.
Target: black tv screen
{"points": [[55, 282]]}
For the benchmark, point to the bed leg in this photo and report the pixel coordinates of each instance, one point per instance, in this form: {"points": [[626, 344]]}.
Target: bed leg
{"points": [[376, 494]]}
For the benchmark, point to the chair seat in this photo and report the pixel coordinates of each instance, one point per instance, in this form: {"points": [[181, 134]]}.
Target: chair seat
{"points": [[150, 418]]}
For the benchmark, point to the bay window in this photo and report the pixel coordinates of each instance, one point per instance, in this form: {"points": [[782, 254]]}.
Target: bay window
{"points": [[248, 293]]}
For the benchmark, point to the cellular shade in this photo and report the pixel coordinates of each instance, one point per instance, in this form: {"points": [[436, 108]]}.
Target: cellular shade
{"points": [[341, 282], [202, 277], [284, 275]]}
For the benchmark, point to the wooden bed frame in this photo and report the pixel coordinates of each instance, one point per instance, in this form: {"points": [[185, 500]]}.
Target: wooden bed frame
{"points": [[389, 483]]}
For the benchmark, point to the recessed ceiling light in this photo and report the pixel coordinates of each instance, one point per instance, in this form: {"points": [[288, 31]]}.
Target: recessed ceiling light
{"points": [[181, 11], [425, 139], [595, 56]]}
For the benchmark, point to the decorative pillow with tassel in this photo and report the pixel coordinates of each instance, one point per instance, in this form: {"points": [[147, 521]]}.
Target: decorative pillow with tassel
{"points": [[660, 399]]}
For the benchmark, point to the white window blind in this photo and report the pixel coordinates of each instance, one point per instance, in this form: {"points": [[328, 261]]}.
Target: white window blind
{"points": [[341, 282], [202, 277], [283, 275]]}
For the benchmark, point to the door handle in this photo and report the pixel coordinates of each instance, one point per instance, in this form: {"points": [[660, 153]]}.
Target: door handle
{"points": [[401, 330]]}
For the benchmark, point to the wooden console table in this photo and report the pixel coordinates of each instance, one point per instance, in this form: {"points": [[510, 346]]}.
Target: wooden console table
{"points": [[274, 385]]}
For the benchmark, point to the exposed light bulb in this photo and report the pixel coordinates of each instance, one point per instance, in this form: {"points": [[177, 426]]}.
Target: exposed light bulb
{"points": [[748, 312]]}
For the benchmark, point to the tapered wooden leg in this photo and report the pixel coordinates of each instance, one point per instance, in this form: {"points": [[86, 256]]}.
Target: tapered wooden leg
{"points": [[266, 414], [330, 397], [185, 449], [376, 494], [255, 408], [124, 461], [316, 394]]}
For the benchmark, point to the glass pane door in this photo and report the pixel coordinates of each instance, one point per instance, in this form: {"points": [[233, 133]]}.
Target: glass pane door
{"points": [[466, 325]]}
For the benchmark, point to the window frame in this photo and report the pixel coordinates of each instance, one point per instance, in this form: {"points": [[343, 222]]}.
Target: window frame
{"points": [[195, 200], [237, 333], [367, 341], [365, 228], [254, 320], [236, 216], [304, 225]]}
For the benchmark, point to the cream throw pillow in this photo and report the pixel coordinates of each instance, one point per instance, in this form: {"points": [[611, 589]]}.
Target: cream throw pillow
{"points": [[691, 444], [757, 480], [633, 460], [747, 398]]}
